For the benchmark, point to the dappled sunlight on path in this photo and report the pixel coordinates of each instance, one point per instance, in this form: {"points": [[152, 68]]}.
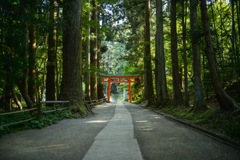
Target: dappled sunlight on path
{"points": [[116, 141]]}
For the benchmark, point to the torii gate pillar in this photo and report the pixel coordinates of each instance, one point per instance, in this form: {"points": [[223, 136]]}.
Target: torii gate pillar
{"points": [[109, 90], [129, 90]]}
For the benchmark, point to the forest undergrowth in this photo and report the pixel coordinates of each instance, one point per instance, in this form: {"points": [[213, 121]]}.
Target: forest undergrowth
{"points": [[44, 121], [217, 121], [226, 123]]}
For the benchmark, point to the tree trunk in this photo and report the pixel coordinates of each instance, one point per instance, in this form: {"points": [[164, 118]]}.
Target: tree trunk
{"points": [[161, 82], [100, 89], [16, 100], [185, 61], [93, 59], [8, 97], [71, 87], [238, 24], [148, 87], [32, 52], [177, 95], [88, 53], [8, 61], [199, 102], [58, 69], [52, 58], [235, 40], [22, 83], [32, 63], [224, 100]]}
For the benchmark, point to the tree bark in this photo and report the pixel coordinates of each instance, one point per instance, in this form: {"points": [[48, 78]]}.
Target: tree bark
{"points": [[235, 38], [58, 69], [16, 100], [185, 61], [32, 63], [88, 55], [8, 97], [32, 51], [93, 48], [199, 102], [161, 82], [22, 83], [100, 88], [71, 86], [225, 101], [177, 95], [52, 58], [148, 87]]}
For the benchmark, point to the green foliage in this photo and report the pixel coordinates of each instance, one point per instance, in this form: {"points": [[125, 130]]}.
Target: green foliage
{"points": [[213, 119], [233, 129], [138, 101], [185, 113], [224, 30], [45, 120], [121, 32], [6, 119], [49, 119], [113, 59]]}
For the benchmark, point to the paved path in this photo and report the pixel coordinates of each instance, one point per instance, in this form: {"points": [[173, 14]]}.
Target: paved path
{"points": [[118, 131], [116, 141], [161, 139], [67, 140]]}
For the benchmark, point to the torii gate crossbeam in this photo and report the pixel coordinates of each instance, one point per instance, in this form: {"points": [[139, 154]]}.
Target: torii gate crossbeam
{"points": [[119, 80]]}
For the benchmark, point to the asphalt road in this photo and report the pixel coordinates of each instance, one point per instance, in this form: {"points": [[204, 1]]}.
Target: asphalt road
{"points": [[117, 131], [161, 139], [67, 140]]}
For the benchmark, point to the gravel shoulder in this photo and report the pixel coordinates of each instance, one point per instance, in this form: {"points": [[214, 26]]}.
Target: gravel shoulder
{"points": [[69, 139]]}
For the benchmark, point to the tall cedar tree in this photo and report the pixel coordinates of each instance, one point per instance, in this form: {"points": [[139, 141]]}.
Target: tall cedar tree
{"points": [[177, 95], [88, 53], [225, 101], [22, 84], [161, 82], [32, 52], [93, 50], [199, 102], [32, 63], [148, 82], [100, 87], [71, 87], [184, 55], [52, 58], [7, 57]]}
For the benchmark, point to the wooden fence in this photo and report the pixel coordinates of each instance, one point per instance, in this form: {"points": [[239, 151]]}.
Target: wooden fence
{"points": [[56, 106], [17, 112]]}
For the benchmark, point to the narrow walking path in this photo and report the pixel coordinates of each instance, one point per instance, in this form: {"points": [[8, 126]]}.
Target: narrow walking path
{"points": [[116, 141]]}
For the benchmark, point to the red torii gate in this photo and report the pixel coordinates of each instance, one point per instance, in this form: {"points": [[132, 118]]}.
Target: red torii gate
{"points": [[119, 80]]}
